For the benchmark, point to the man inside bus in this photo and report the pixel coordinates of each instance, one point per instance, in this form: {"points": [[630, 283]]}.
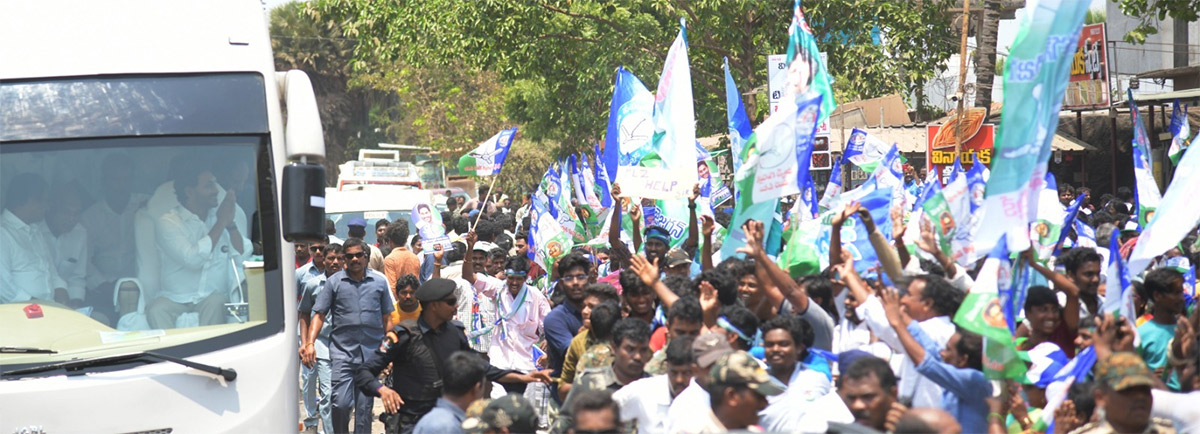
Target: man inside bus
{"points": [[26, 268], [358, 303], [201, 249], [109, 225], [68, 240]]}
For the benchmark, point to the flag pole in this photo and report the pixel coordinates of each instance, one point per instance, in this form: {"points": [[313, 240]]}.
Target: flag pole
{"points": [[483, 203]]}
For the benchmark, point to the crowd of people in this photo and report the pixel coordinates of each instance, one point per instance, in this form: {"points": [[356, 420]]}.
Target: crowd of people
{"points": [[644, 336]]}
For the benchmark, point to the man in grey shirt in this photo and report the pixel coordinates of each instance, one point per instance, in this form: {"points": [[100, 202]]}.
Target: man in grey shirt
{"points": [[464, 383]]}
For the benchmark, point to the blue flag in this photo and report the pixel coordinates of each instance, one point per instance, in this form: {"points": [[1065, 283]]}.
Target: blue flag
{"points": [[976, 183], [1179, 132], [808, 196], [553, 188], [1189, 285], [1076, 370], [1012, 294], [1118, 297], [834, 187], [630, 123], [739, 122], [931, 188], [855, 238], [487, 158], [1069, 222], [602, 180]]}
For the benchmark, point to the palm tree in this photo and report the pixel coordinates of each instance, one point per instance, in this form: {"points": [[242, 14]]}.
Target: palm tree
{"points": [[986, 59]]}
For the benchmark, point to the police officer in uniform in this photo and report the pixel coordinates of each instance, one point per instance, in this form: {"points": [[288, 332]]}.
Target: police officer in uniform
{"points": [[417, 350]]}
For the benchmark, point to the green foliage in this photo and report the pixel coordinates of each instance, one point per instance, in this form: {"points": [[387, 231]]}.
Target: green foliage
{"points": [[1151, 12], [556, 58], [450, 109], [304, 42], [1095, 16]]}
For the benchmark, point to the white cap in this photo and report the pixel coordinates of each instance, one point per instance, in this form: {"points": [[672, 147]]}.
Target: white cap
{"points": [[484, 246]]}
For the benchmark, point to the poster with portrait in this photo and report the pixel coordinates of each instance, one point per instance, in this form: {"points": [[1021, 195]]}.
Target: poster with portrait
{"points": [[429, 227]]}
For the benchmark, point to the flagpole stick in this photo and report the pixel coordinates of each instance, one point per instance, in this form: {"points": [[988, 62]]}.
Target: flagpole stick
{"points": [[483, 203]]}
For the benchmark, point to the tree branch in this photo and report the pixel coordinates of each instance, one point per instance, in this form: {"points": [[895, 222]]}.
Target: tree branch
{"points": [[567, 37]]}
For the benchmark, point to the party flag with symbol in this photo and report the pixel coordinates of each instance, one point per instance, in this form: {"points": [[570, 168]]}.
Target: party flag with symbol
{"points": [[1035, 79], [630, 123], [550, 241], [983, 312], [807, 73], [834, 187], [1179, 132], [977, 183], [1146, 196], [1059, 384], [674, 138], [865, 151], [855, 238], [487, 158], [1177, 214], [1069, 222], [1044, 231]]}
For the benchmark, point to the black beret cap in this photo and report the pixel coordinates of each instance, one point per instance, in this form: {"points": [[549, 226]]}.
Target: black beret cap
{"points": [[435, 289]]}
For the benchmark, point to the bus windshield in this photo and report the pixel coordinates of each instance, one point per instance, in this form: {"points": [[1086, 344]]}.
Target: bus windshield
{"points": [[109, 245]]}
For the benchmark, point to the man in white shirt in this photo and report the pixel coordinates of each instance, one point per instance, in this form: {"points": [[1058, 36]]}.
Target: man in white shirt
{"points": [[520, 311], [739, 387], [67, 241], [644, 403], [930, 300], [27, 270], [694, 398], [785, 343], [475, 311], [201, 249]]}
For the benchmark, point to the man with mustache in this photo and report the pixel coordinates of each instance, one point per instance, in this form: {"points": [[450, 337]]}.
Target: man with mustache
{"points": [[1123, 384], [868, 388]]}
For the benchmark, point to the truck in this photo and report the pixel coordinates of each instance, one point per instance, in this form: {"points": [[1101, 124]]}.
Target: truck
{"points": [[152, 191]]}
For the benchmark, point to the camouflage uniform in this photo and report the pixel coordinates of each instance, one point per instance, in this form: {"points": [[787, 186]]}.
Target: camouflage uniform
{"points": [[512, 411], [657, 364], [596, 356], [602, 378], [1118, 372]]}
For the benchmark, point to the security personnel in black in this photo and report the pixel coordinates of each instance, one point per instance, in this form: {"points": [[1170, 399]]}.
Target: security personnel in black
{"points": [[417, 350]]}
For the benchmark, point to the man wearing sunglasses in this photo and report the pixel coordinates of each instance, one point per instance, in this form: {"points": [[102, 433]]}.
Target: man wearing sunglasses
{"points": [[315, 266], [419, 350], [358, 303]]}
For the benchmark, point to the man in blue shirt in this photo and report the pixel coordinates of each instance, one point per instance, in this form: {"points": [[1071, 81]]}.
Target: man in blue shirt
{"points": [[318, 376], [463, 384], [958, 368], [564, 320], [358, 304]]}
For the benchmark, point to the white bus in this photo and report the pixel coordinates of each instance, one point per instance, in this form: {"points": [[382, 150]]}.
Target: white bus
{"points": [[130, 302]]}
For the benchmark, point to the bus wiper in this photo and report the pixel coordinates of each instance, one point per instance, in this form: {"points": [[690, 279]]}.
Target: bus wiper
{"points": [[26, 350], [74, 367]]}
